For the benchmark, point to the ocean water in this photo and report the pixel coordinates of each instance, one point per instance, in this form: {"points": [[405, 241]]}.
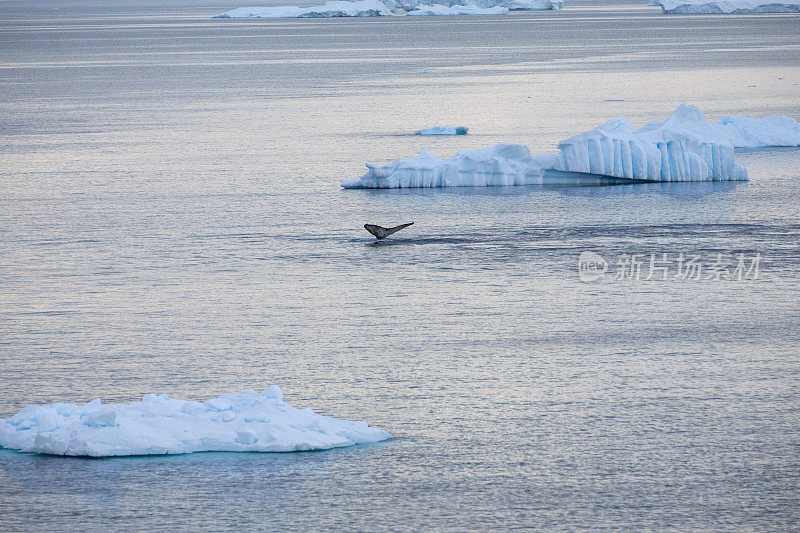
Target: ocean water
{"points": [[171, 222]]}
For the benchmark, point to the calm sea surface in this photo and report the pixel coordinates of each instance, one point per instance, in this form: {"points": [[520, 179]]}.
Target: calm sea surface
{"points": [[171, 221]]}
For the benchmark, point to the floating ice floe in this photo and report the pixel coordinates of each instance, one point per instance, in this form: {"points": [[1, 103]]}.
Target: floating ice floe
{"points": [[444, 130], [518, 5], [746, 132], [503, 164], [240, 422], [334, 8], [376, 8], [685, 147], [439, 9], [691, 7]]}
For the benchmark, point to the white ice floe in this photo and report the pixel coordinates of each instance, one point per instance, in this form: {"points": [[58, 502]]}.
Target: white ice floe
{"points": [[376, 8], [439, 9], [239, 422], [334, 8], [746, 132], [690, 7], [520, 5], [444, 130], [685, 147], [503, 164]]}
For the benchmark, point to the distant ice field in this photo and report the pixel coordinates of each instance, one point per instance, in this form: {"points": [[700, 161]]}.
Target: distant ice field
{"points": [[171, 222]]}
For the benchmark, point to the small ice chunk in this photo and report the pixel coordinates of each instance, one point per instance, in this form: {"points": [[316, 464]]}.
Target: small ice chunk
{"points": [[444, 130]]}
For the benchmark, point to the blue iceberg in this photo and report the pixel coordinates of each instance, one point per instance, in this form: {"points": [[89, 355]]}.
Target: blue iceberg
{"points": [[685, 147]]}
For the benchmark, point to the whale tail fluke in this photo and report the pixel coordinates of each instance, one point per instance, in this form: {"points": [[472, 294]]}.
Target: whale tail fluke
{"points": [[381, 233]]}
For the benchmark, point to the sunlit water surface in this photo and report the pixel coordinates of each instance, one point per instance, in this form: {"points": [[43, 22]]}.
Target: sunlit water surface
{"points": [[171, 222]]}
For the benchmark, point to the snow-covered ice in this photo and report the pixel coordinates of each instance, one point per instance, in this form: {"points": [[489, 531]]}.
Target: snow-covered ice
{"points": [[334, 8], [503, 164], [376, 8], [746, 132], [238, 422], [690, 7], [444, 130], [520, 5], [685, 147], [439, 9]]}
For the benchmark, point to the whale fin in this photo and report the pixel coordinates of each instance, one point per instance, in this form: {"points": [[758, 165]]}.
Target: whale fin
{"points": [[381, 233]]}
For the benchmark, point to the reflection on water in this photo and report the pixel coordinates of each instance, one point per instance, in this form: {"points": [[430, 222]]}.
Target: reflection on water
{"points": [[679, 189], [592, 187]]}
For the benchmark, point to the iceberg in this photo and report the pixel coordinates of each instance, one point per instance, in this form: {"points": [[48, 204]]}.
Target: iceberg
{"points": [[513, 5], [685, 147], [334, 8], [239, 422], [439, 9], [500, 165], [443, 130], [691, 7], [376, 8], [746, 132]]}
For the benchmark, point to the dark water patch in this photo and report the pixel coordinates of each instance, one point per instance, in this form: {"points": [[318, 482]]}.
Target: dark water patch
{"points": [[422, 241]]}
